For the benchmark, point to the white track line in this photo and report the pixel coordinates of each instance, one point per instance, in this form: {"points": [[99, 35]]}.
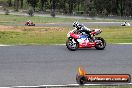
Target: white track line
{"points": [[24, 87], [5, 45], [65, 44], [70, 85]]}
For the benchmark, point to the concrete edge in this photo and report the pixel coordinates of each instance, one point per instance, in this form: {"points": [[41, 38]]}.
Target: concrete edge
{"points": [[58, 44], [71, 85]]}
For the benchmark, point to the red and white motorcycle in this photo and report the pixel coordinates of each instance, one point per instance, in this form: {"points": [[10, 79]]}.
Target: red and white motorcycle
{"points": [[78, 40], [29, 23]]}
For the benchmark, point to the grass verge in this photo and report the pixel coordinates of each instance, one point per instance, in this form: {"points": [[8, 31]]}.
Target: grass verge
{"points": [[117, 34], [14, 19], [17, 19], [57, 35]]}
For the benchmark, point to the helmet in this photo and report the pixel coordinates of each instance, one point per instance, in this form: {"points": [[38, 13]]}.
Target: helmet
{"points": [[29, 20], [75, 24], [79, 26]]}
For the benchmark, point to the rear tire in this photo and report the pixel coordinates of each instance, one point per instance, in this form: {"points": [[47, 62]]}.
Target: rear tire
{"points": [[100, 44], [71, 46]]}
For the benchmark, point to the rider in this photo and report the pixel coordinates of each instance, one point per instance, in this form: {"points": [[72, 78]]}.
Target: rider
{"points": [[29, 21], [81, 28]]}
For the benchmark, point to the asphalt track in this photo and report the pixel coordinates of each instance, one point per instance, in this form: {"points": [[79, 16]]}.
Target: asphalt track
{"points": [[69, 24], [55, 64]]}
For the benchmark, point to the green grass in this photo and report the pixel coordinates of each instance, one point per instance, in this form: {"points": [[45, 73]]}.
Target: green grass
{"points": [[13, 19], [34, 36], [117, 34], [57, 35]]}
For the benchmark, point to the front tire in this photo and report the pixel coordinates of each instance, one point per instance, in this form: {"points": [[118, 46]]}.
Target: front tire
{"points": [[28, 24], [81, 80], [71, 45], [100, 43]]}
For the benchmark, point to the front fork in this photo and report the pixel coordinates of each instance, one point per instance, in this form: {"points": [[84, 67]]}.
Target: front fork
{"points": [[97, 41], [72, 39]]}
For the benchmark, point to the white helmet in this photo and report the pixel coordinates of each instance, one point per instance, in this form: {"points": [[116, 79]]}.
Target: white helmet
{"points": [[29, 20]]}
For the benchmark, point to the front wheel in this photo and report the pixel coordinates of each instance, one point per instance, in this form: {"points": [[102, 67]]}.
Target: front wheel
{"points": [[100, 43], [81, 80], [71, 45]]}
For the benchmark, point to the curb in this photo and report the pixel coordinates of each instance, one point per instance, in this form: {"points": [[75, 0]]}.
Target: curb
{"points": [[5, 45], [71, 85], [63, 44]]}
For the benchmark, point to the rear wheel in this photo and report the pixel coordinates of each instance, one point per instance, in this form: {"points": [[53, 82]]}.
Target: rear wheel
{"points": [[100, 43], [71, 45]]}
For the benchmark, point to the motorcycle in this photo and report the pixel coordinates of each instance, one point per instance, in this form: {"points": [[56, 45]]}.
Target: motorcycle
{"points": [[79, 40], [125, 24], [29, 24]]}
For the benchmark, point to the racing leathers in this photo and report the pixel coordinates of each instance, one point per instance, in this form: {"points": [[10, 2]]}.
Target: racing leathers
{"points": [[84, 30]]}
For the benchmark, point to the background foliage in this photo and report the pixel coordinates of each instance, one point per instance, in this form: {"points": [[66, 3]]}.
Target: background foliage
{"points": [[74, 7]]}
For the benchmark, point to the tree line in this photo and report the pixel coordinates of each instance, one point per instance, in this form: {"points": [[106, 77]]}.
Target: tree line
{"points": [[81, 7]]}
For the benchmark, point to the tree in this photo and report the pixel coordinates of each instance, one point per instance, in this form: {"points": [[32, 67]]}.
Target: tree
{"points": [[71, 4], [61, 5], [21, 1], [33, 3], [42, 4], [53, 6], [90, 8], [9, 3], [16, 5], [93, 7]]}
